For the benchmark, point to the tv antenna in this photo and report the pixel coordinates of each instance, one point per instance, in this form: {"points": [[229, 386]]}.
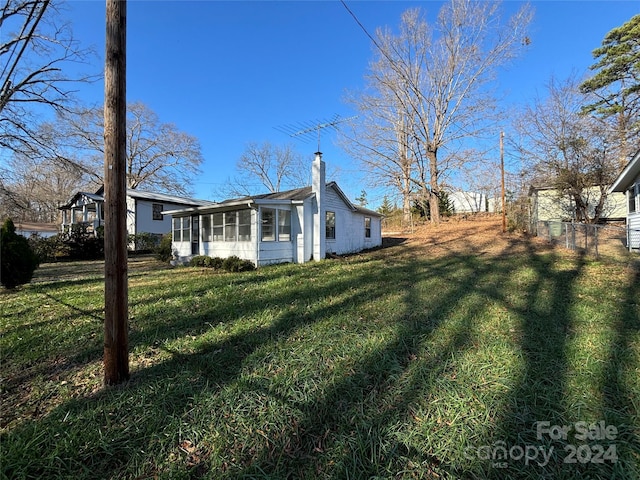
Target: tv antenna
{"points": [[308, 130]]}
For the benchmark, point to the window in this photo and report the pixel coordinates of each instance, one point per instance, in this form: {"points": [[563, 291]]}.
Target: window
{"points": [[331, 225], [244, 225], [631, 194], [268, 225], [217, 228], [230, 223], [206, 228], [284, 226], [367, 227], [157, 211]]}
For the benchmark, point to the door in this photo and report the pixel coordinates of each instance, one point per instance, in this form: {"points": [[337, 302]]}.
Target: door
{"points": [[195, 235]]}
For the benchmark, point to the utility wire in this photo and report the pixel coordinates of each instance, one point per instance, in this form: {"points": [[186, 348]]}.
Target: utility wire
{"points": [[366, 31]]}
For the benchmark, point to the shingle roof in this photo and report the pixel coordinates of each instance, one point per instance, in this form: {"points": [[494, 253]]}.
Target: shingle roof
{"points": [[295, 194]]}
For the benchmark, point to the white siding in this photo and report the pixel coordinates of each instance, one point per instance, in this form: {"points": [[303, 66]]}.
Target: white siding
{"points": [[141, 211], [350, 232], [633, 218]]}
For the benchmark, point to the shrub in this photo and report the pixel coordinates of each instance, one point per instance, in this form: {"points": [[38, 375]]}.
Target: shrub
{"points": [[18, 261], [236, 264], [143, 242], [48, 249], [216, 263], [199, 261], [163, 250], [85, 245]]}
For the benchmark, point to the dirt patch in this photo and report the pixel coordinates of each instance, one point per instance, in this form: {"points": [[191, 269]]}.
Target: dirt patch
{"points": [[476, 235]]}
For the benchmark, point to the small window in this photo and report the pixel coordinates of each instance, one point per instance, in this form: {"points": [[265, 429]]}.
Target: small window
{"points": [[230, 223], [331, 225], [217, 228], [631, 195], [284, 226], [157, 211], [367, 227], [268, 224], [244, 225]]}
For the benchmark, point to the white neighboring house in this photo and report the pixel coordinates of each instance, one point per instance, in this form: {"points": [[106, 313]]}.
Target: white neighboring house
{"points": [[628, 183], [293, 226], [144, 211], [471, 202]]}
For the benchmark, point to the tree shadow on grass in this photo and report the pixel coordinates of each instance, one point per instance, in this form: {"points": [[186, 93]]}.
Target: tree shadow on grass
{"points": [[621, 406], [319, 384]]}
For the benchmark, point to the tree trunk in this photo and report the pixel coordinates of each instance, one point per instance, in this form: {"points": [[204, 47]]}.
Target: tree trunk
{"points": [[434, 193]]}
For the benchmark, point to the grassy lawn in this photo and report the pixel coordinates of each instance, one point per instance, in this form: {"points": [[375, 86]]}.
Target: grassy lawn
{"points": [[420, 360]]}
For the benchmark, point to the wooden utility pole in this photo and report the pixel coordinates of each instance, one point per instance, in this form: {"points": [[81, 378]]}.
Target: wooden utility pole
{"points": [[504, 202], [116, 324]]}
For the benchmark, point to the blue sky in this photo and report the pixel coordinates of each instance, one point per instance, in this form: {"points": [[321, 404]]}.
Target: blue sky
{"points": [[230, 73]]}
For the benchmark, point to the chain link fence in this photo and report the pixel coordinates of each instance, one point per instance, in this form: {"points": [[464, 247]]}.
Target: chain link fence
{"points": [[588, 238]]}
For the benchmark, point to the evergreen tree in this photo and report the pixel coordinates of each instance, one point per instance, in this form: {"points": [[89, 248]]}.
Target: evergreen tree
{"points": [[18, 262], [616, 85]]}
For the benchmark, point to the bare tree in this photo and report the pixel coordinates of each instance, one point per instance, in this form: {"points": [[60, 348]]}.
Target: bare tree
{"points": [[39, 176], [32, 188], [266, 166], [433, 85], [159, 156], [39, 60], [563, 148]]}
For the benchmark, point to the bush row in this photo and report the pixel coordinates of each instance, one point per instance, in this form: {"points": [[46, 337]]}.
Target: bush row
{"points": [[230, 264], [80, 244]]}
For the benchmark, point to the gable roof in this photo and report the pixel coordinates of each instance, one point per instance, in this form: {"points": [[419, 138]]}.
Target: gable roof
{"points": [[627, 176], [134, 193], [294, 195]]}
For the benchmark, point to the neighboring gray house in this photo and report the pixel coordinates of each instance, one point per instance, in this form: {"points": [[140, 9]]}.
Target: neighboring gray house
{"points": [[628, 183], [293, 226], [144, 211]]}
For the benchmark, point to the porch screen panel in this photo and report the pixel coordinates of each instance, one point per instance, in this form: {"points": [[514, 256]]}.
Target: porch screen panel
{"points": [[230, 225], [186, 229], [177, 229], [268, 224], [217, 227], [244, 225], [206, 228], [284, 225]]}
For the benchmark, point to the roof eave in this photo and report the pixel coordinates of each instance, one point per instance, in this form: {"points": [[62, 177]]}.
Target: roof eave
{"points": [[630, 172]]}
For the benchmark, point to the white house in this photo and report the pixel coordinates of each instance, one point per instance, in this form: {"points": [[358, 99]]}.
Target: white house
{"points": [[628, 182], [144, 211], [293, 226]]}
